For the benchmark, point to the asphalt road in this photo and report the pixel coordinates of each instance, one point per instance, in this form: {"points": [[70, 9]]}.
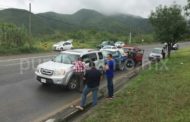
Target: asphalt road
{"points": [[23, 99]]}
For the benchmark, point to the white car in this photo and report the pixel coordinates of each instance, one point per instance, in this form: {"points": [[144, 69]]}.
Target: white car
{"points": [[119, 44], [59, 71], [156, 54], [175, 46], [63, 45]]}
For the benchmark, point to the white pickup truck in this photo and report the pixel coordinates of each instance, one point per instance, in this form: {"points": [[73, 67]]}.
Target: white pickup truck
{"points": [[59, 71]]}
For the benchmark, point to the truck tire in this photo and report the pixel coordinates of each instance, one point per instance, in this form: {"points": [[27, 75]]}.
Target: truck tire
{"points": [[73, 84], [130, 63]]}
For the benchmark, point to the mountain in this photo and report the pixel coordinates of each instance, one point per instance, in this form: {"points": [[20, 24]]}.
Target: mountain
{"points": [[50, 22], [21, 18]]}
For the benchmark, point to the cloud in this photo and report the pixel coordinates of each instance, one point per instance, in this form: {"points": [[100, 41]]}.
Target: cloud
{"points": [[135, 7]]}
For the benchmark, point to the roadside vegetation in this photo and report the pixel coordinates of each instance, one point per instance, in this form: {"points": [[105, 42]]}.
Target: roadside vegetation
{"points": [[158, 94], [15, 40]]}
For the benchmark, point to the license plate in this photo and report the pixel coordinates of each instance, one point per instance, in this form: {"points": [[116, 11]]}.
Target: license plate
{"points": [[43, 80]]}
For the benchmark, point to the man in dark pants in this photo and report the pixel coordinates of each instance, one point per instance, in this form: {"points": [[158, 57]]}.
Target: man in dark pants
{"points": [[163, 52], [79, 69], [109, 69], [92, 78]]}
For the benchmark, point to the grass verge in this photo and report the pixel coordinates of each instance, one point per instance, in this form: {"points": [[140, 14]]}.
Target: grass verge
{"points": [[159, 94]]}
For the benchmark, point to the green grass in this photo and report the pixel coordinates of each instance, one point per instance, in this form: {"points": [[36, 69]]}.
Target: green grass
{"points": [[156, 95], [20, 50]]}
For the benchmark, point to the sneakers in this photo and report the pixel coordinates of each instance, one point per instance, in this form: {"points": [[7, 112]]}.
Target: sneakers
{"points": [[79, 107]]}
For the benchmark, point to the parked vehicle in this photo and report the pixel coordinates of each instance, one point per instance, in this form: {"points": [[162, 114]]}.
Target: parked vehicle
{"points": [[108, 47], [156, 54], [175, 46], [59, 71], [119, 44], [119, 57], [135, 54], [104, 43], [63, 45]]}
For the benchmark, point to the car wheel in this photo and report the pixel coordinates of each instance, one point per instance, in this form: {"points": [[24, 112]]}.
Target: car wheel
{"points": [[130, 63], [73, 84]]}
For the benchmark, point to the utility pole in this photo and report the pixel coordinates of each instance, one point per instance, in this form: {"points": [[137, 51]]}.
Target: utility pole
{"points": [[30, 25], [130, 38]]}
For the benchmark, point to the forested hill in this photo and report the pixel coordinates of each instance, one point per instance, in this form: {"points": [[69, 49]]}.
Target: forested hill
{"points": [[50, 22]]}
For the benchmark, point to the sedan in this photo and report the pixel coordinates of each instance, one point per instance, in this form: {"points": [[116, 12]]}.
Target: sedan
{"points": [[156, 54]]}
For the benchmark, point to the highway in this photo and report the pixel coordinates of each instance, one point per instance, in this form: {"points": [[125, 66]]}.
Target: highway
{"points": [[23, 99]]}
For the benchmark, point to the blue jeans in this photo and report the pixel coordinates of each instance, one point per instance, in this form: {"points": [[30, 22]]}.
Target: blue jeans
{"points": [[85, 92], [110, 86]]}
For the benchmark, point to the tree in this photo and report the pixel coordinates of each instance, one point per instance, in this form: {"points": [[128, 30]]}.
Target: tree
{"points": [[169, 24], [12, 36], [187, 8]]}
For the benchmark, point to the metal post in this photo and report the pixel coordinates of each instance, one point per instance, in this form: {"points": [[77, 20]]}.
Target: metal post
{"points": [[30, 19], [30, 26], [130, 38]]}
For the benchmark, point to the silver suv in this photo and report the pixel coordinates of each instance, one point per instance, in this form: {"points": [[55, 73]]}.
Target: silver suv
{"points": [[59, 71]]}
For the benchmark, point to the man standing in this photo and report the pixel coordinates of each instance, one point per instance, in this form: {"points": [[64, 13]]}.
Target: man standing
{"points": [[92, 78], [79, 69], [163, 52], [109, 69]]}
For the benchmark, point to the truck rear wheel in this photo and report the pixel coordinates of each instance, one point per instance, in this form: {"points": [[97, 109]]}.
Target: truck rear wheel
{"points": [[130, 63], [73, 84]]}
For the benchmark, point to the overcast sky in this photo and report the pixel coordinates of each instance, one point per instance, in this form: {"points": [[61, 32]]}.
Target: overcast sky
{"points": [[135, 7]]}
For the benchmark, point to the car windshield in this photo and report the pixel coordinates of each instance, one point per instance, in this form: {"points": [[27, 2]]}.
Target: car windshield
{"points": [[66, 58], [109, 47], [119, 42], [106, 52], [105, 42], [159, 51]]}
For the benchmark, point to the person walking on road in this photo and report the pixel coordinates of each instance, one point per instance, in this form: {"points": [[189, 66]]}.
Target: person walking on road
{"points": [[109, 69], [163, 52], [92, 78], [79, 69]]}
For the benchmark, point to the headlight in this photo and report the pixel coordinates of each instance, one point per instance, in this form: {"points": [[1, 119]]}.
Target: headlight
{"points": [[59, 72]]}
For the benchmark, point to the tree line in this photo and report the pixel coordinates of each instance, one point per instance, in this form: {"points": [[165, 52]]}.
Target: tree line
{"points": [[12, 36]]}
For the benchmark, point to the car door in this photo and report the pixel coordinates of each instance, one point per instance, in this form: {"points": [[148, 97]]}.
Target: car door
{"points": [[69, 45], [66, 46], [86, 60], [63, 46], [101, 59], [94, 58]]}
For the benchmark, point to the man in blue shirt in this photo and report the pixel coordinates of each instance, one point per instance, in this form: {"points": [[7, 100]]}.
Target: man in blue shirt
{"points": [[109, 69]]}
